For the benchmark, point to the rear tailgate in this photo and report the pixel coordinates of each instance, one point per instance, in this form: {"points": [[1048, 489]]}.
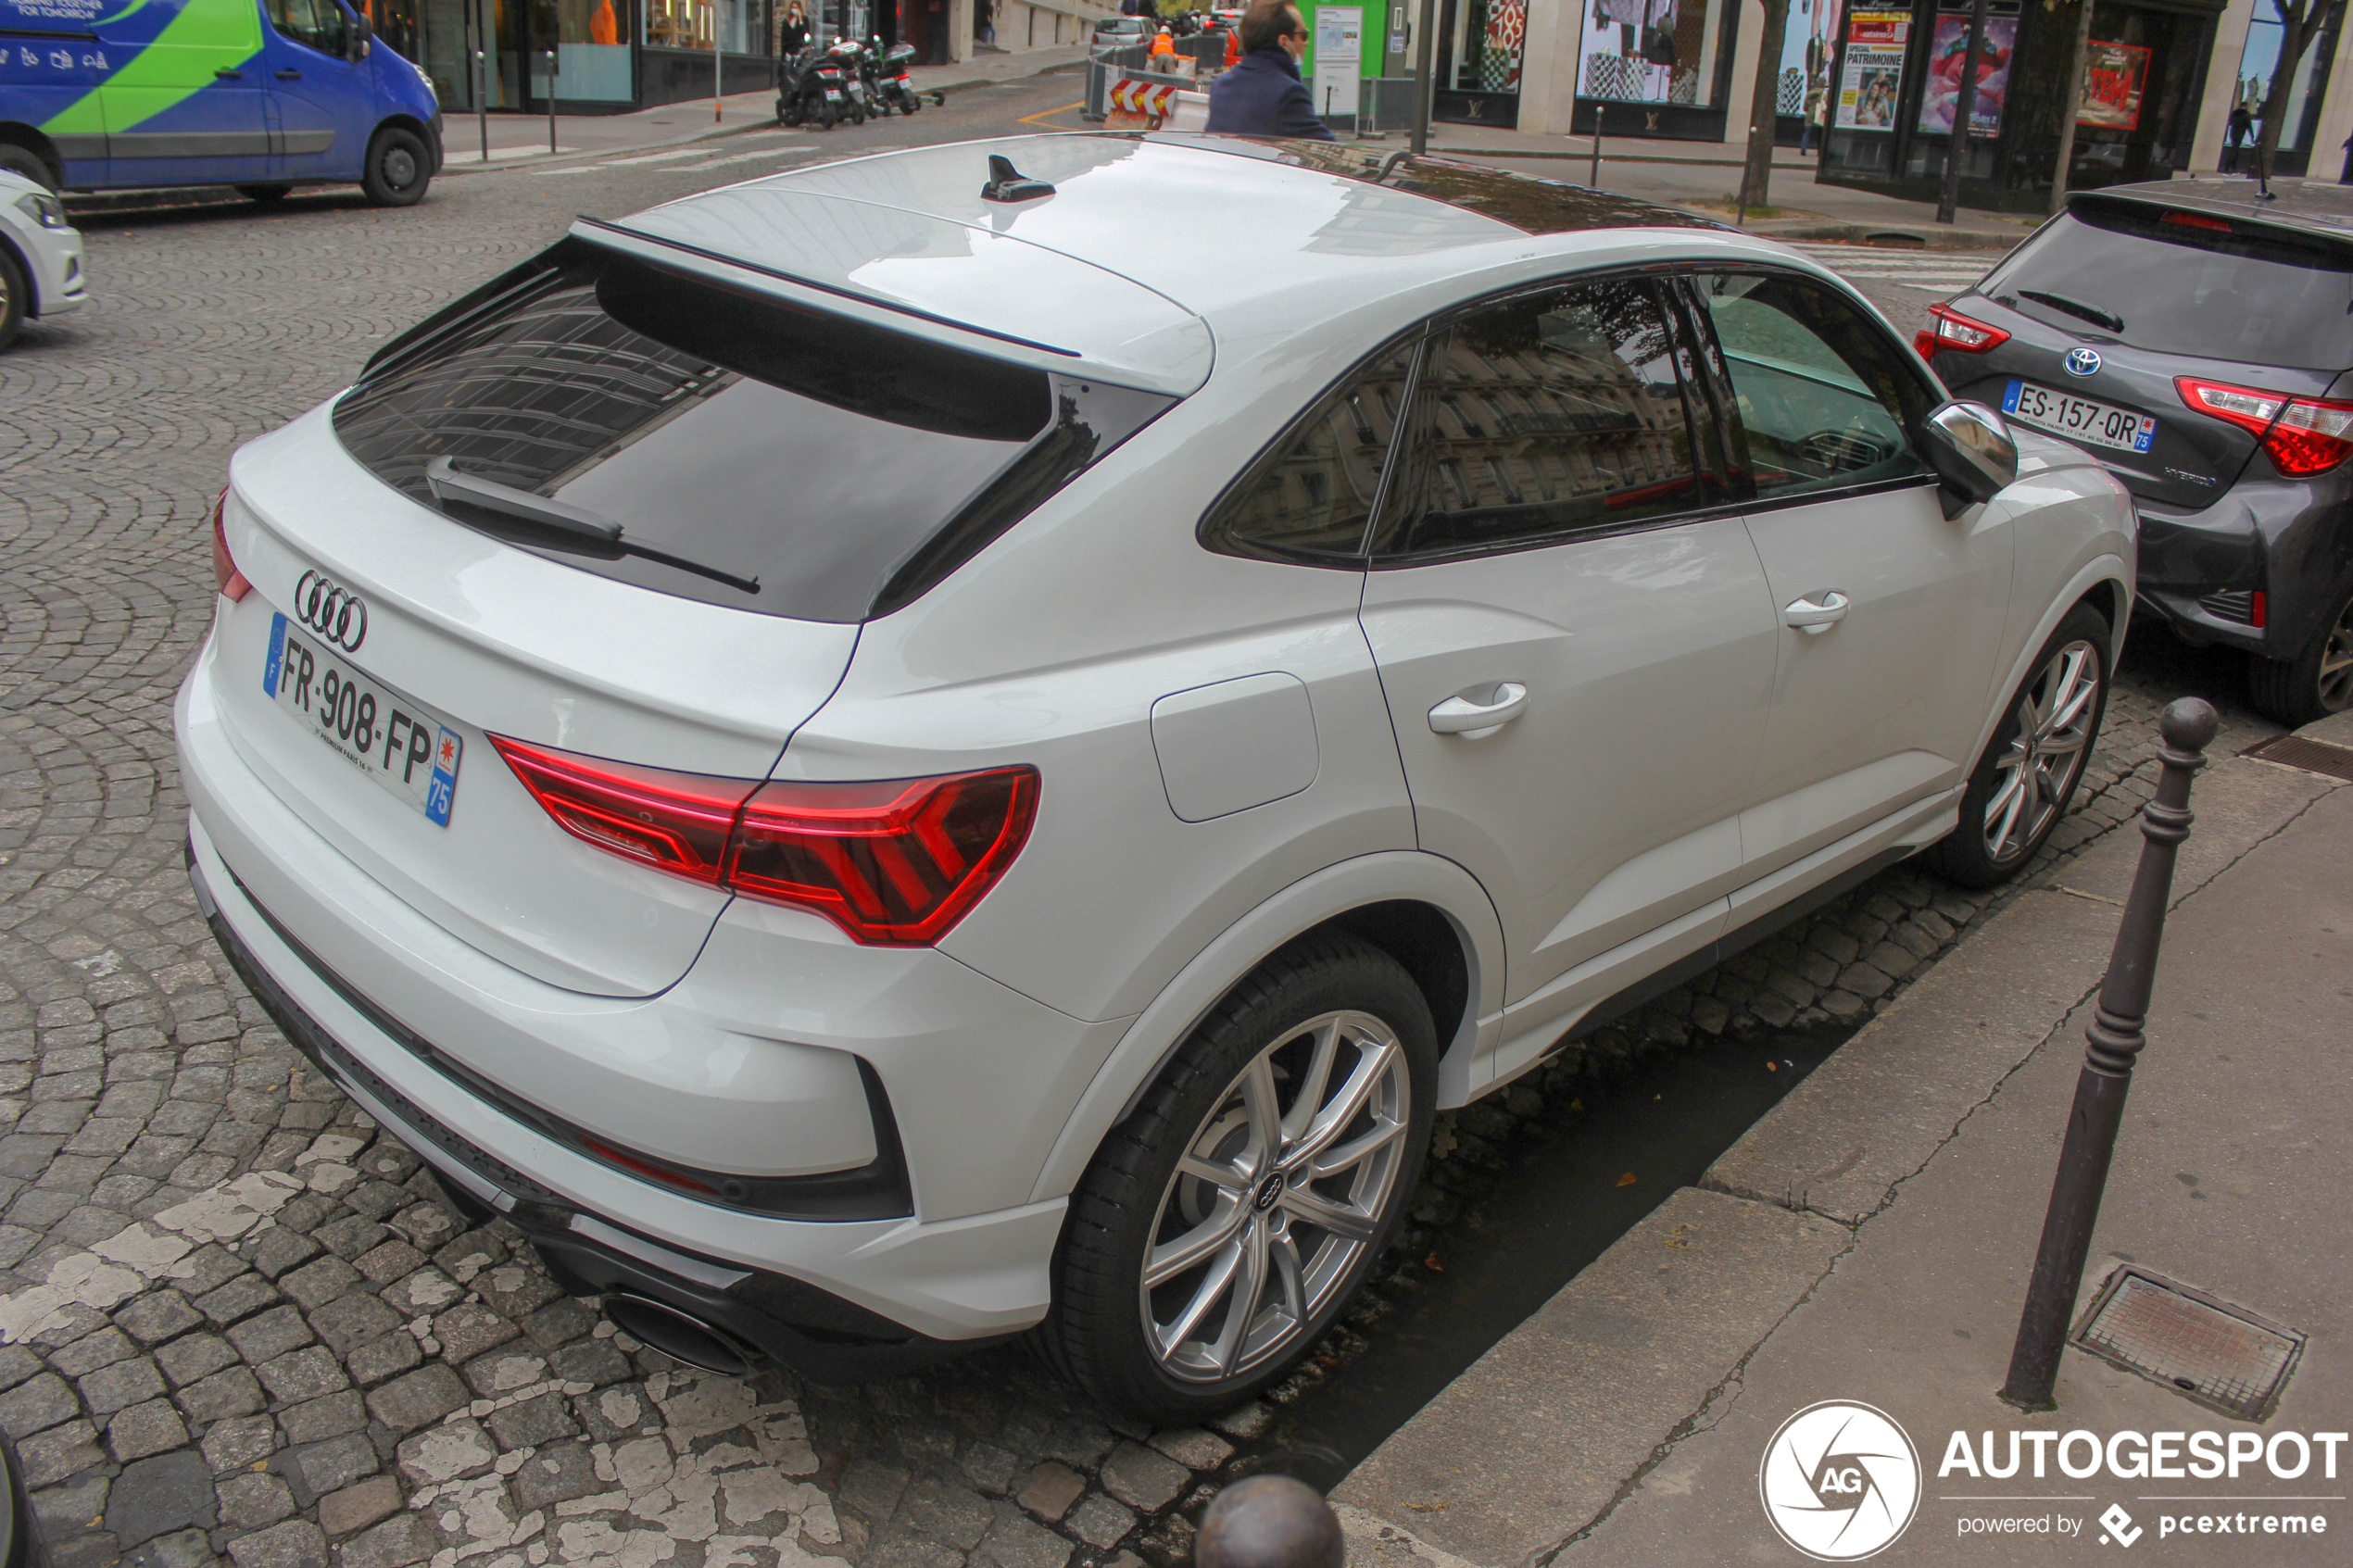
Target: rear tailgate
{"points": [[2124, 293], [494, 639]]}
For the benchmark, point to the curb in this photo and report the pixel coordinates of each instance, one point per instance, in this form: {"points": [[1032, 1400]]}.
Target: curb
{"points": [[1892, 236]]}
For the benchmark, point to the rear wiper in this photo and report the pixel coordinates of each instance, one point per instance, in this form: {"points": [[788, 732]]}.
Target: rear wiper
{"points": [[2091, 313], [558, 525]]}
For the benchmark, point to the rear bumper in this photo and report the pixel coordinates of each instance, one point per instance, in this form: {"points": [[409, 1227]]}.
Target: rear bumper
{"points": [[2291, 542], [817, 1334]]}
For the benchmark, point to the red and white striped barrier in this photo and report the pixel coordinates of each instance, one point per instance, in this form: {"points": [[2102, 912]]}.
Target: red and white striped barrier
{"points": [[1142, 98]]}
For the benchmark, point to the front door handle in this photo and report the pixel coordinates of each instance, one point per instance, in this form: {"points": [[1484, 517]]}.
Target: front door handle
{"points": [[290, 76], [1460, 715], [225, 74], [1817, 613]]}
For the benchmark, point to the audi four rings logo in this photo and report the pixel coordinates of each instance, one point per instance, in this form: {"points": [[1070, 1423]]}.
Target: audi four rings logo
{"points": [[335, 613]]}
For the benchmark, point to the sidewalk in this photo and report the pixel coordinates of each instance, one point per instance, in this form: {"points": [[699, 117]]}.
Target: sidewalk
{"points": [[1870, 1240], [523, 138], [1707, 175]]}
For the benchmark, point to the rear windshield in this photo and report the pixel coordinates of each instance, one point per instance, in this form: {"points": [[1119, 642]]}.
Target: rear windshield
{"points": [[754, 453], [2179, 288]]}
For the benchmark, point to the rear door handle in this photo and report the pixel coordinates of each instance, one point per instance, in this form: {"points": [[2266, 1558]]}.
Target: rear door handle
{"points": [[290, 76], [1817, 613], [1460, 715]]}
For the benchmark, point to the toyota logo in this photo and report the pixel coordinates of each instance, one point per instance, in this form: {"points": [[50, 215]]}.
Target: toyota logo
{"points": [[333, 612], [2082, 361]]}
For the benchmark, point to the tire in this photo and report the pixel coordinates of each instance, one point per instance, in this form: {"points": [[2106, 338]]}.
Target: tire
{"points": [[825, 116], [788, 111], [267, 196], [399, 168], [1330, 999], [2041, 743], [2315, 683], [32, 165], [14, 296]]}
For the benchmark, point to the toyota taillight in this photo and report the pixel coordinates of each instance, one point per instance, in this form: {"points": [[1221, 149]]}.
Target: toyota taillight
{"points": [[1947, 328], [2301, 435], [896, 864], [226, 578]]}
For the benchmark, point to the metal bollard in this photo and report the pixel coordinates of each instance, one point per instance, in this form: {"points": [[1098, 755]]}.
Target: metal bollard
{"points": [[1594, 178], [1270, 1522], [2114, 1039]]}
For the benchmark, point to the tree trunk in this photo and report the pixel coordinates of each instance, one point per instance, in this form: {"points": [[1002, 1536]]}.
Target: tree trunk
{"points": [[2301, 22], [2070, 105], [1765, 108]]}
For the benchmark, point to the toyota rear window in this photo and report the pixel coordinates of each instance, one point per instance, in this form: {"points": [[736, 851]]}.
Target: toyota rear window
{"points": [[696, 439], [2185, 283]]}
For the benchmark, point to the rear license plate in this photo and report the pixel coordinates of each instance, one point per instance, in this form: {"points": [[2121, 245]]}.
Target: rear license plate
{"points": [[2078, 418], [399, 743]]}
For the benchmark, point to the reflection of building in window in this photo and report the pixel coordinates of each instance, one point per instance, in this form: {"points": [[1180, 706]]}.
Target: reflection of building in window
{"points": [[1317, 494], [1552, 409]]}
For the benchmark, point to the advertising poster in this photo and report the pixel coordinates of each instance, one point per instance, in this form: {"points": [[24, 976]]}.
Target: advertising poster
{"points": [[2112, 77], [1947, 53], [1874, 68]]}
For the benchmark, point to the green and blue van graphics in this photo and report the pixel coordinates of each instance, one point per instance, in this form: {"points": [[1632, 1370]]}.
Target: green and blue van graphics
{"points": [[257, 93]]}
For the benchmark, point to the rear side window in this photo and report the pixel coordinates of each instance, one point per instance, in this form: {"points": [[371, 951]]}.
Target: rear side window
{"points": [[1310, 497], [753, 453], [2173, 284], [1545, 417]]}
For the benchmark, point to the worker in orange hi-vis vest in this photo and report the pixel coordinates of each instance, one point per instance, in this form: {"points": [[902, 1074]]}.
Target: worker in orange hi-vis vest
{"points": [[602, 28]]}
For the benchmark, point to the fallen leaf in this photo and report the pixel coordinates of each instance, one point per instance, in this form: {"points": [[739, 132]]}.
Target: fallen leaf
{"points": [[1772, 1067], [1577, 1105], [1432, 1264], [1627, 1180]]}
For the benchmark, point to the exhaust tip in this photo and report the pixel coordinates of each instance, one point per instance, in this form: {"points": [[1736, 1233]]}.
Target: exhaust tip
{"points": [[680, 1336]]}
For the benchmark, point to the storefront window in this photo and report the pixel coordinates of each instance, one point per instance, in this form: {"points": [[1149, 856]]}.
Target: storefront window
{"points": [[1482, 44], [2258, 62], [1649, 51], [1808, 39], [592, 63]]}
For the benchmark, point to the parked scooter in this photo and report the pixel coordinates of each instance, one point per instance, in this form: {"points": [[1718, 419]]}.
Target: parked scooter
{"points": [[891, 87], [811, 89], [847, 58]]}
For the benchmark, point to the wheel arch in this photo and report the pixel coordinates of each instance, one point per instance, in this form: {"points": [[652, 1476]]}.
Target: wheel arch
{"points": [[32, 280], [401, 120], [1427, 912], [17, 133], [2104, 582]]}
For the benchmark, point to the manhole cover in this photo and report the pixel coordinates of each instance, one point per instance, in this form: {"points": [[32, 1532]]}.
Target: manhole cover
{"points": [[2223, 1357], [2313, 756]]}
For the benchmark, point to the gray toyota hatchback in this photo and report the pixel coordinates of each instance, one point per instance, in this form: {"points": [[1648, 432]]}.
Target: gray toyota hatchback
{"points": [[2199, 339]]}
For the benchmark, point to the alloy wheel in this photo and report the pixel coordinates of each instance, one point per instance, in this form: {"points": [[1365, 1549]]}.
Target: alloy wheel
{"points": [[1277, 1194], [2336, 663], [2039, 767]]}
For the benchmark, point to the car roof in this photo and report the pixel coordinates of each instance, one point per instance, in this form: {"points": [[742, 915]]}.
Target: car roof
{"points": [[1148, 241], [2304, 206]]}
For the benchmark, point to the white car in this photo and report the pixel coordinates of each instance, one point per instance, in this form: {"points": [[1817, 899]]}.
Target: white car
{"points": [[971, 740], [40, 256]]}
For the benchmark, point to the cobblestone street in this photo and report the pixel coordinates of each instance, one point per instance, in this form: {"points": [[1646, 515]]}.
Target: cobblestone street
{"points": [[240, 1325]]}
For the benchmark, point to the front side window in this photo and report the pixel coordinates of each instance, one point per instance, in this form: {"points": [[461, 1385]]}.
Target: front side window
{"points": [[1826, 402], [1310, 497], [319, 23], [1542, 417]]}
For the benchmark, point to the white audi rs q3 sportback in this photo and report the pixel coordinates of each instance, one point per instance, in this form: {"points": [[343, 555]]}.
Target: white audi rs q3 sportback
{"points": [[972, 741]]}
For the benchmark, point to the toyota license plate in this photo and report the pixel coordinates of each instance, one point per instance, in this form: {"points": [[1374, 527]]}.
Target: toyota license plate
{"points": [[395, 740], [2078, 418]]}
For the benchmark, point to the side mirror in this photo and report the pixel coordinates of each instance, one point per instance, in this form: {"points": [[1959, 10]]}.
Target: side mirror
{"points": [[360, 33], [1972, 450]]}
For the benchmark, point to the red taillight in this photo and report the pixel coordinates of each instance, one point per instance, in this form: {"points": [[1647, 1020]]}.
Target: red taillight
{"points": [[2194, 220], [2258, 611], [226, 578], [1948, 327], [2301, 435], [895, 864]]}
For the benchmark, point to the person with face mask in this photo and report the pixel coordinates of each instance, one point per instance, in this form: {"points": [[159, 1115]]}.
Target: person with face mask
{"points": [[1263, 95]]}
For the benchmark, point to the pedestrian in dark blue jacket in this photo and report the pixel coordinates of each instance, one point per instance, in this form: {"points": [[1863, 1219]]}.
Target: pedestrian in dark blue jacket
{"points": [[1263, 95]]}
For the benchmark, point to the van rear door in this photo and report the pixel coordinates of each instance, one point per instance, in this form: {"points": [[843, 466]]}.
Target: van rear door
{"points": [[189, 111], [325, 104]]}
